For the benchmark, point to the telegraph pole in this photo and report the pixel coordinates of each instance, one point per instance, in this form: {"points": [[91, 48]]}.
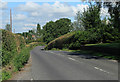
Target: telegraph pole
{"points": [[10, 20]]}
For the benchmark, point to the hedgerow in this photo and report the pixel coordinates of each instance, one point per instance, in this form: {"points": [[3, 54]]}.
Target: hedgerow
{"points": [[14, 53], [11, 45]]}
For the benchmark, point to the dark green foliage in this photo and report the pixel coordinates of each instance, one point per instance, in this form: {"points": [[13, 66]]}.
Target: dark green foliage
{"points": [[39, 31], [55, 29], [49, 32]]}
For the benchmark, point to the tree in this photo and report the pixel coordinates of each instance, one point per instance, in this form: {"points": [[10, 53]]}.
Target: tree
{"points": [[55, 29], [7, 27], [114, 11], [48, 31], [63, 26], [91, 17], [39, 31]]}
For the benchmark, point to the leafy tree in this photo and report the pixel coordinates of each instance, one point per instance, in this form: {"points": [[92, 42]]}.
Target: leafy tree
{"points": [[55, 29], [114, 11], [91, 17], [48, 31], [63, 26], [39, 31], [7, 27]]}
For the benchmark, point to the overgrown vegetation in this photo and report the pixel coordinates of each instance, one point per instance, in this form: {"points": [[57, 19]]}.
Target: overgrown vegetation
{"points": [[11, 45], [15, 53]]}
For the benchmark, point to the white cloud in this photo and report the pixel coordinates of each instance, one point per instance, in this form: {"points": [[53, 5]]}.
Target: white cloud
{"points": [[27, 28], [30, 25], [29, 6], [50, 10], [3, 5], [20, 17]]}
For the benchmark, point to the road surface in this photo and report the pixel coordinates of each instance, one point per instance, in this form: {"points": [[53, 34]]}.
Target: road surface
{"points": [[62, 65]]}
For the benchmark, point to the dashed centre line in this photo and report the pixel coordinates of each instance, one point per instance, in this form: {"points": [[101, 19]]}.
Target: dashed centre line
{"points": [[101, 70], [71, 58], [82, 62]]}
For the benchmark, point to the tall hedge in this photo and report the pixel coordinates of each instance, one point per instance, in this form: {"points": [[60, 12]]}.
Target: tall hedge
{"points": [[11, 45]]}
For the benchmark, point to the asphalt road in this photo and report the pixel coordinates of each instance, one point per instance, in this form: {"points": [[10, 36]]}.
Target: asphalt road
{"points": [[61, 65]]}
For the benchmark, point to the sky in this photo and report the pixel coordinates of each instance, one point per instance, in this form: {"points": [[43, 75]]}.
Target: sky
{"points": [[26, 15]]}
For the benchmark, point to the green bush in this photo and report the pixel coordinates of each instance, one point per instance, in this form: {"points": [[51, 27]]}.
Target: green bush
{"points": [[21, 59]]}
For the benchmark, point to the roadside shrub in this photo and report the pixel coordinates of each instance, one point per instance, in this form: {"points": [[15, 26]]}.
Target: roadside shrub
{"points": [[21, 59]]}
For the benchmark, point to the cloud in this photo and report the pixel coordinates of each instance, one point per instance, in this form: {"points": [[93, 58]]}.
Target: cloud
{"points": [[3, 5], [19, 17], [28, 7], [50, 10], [30, 25], [27, 28]]}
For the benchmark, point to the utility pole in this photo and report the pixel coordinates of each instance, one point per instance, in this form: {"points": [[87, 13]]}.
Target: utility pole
{"points": [[10, 20]]}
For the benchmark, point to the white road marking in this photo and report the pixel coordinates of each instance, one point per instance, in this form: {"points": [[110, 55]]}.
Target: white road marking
{"points": [[101, 70], [74, 60], [31, 79], [71, 58]]}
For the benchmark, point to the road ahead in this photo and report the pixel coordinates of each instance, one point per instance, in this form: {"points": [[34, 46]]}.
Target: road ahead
{"points": [[62, 65]]}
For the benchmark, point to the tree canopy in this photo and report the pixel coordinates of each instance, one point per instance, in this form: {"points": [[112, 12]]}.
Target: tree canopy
{"points": [[55, 29]]}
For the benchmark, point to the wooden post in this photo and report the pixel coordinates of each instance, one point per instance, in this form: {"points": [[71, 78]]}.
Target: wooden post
{"points": [[10, 20]]}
